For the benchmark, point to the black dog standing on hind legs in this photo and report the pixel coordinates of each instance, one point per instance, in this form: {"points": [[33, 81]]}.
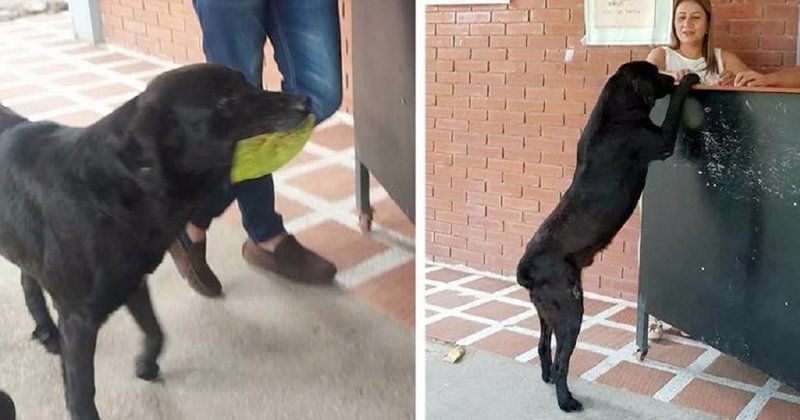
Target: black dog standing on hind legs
{"points": [[616, 147]]}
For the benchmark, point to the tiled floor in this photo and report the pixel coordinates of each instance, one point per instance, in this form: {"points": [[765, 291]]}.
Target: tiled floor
{"points": [[493, 313], [46, 75]]}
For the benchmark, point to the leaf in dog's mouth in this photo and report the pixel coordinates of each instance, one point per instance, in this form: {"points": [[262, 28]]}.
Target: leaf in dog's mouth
{"points": [[263, 154]]}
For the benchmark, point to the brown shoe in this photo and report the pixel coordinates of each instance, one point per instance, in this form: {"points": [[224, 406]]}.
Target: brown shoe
{"points": [[190, 259], [291, 260]]}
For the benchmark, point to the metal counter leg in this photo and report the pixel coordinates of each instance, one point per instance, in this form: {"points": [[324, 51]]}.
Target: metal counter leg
{"points": [[642, 321], [365, 210]]}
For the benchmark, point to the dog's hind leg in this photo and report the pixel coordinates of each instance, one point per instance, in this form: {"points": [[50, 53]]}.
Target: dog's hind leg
{"points": [[545, 356], [567, 326], [532, 272], [141, 308], [79, 340], [46, 331]]}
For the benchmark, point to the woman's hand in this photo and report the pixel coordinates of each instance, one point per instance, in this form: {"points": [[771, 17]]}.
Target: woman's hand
{"points": [[751, 78], [726, 78]]}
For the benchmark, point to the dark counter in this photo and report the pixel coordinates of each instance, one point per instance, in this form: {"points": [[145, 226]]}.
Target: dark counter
{"points": [[720, 248]]}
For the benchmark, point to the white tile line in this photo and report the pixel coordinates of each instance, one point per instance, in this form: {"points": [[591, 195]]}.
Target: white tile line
{"points": [[613, 357], [347, 118], [54, 75], [610, 362], [397, 240], [786, 397], [23, 99], [509, 324], [684, 376], [456, 286], [374, 267], [528, 356], [106, 74], [61, 91], [757, 403], [466, 269], [432, 269], [590, 320]]}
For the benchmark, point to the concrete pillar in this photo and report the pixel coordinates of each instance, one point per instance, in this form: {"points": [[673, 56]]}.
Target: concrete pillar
{"points": [[86, 21]]}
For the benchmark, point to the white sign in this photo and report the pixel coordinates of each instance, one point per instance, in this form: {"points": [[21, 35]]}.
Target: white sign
{"points": [[625, 13], [628, 22]]}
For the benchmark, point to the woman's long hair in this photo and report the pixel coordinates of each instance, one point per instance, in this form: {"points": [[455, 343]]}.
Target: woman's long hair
{"points": [[708, 39]]}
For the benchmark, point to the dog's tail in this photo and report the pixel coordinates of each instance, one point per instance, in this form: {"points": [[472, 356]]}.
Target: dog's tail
{"points": [[9, 118]]}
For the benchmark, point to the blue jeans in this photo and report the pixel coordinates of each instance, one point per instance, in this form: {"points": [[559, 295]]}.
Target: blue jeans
{"points": [[305, 38]]}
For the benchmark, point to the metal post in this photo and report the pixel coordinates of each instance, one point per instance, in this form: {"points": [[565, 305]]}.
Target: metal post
{"points": [[362, 197], [642, 321]]}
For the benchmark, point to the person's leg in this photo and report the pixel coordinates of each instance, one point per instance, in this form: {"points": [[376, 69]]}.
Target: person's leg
{"points": [[305, 37], [306, 40], [233, 35]]}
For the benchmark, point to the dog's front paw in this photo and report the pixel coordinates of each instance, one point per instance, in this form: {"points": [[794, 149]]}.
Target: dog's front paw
{"points": [[48, 337], [147, 370], [570, 405], [547, 376]]}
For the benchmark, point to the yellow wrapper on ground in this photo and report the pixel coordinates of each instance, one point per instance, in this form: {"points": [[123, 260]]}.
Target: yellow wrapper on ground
{"points": [[263, 154]]}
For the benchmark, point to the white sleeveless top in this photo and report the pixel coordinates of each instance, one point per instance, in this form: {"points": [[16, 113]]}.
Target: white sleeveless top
{"points": [[675, 61]]}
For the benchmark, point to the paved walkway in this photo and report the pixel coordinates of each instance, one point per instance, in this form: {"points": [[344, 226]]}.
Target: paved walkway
{"points": [[494, 314], [488, 386]]}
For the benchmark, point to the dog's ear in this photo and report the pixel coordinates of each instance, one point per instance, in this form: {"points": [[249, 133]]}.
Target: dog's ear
{"points": [[138, 146], [153, 124]]}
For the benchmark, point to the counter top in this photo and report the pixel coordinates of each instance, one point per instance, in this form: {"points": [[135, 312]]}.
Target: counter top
{"points": [[750, 89]]}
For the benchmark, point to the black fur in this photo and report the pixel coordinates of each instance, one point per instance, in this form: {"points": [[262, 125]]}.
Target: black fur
{"points": [[87, 213], [617, 145], [7, 410]]}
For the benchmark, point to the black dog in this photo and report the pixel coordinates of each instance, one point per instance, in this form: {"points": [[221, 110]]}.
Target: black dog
{"points": [[7, 411], [87, 213], [617, 145]]}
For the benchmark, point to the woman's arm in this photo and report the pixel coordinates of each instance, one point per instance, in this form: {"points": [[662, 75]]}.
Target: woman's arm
{"points": [[732, 63], [733, 66], [786, 77], [658, 57]]}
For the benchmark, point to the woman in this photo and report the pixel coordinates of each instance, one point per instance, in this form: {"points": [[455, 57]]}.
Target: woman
{"points": [[692, 49]]}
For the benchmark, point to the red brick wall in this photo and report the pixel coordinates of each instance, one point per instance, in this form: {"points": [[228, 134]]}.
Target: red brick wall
{"points": [[169, 29], [504, 114]]}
